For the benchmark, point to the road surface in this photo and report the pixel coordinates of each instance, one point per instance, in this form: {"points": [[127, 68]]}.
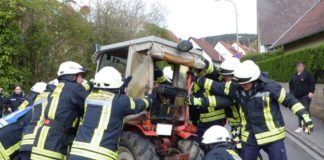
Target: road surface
{"points": [[294, 152]]}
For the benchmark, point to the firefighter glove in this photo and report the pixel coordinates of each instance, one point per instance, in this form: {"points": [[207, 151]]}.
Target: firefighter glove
{"points": [[307, 122], [193, 101]]}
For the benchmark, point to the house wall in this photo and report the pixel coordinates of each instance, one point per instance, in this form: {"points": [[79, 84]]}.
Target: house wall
{"points": [[223, 51], [239, 49], [305, 42]]}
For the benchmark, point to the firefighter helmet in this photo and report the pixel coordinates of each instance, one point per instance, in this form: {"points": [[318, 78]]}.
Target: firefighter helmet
{"points": [[108, 77], [215, 134], [39, 87], [54, 82], [247, 72], [229, 65], [70, 67]]}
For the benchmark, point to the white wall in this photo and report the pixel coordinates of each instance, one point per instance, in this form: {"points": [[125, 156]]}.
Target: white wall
{"points": [[223, 50]]}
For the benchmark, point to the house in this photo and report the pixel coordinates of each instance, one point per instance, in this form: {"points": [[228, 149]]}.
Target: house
{"points": [[226, 50], [307, 31], [243, 49], [275, 17], [208, 51]]}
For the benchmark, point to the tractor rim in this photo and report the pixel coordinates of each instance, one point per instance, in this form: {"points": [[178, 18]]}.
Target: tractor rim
{"points": [[125, 154]]}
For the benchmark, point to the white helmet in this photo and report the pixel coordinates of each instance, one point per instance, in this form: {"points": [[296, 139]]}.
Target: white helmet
{"points": [[229, 65], [54, 82], [70, 67], [168, 73], [247, 72], [39, 87], [108, 77], [215, 134]]}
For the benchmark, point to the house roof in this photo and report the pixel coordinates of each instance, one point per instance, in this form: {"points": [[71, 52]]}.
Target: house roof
{"points": [[205, 46], [245, 48], [276, 16], [229, 47], [312, 22]]}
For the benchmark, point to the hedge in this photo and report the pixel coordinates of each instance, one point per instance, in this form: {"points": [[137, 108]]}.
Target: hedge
{"points": [[281, 66], [259, 57]]}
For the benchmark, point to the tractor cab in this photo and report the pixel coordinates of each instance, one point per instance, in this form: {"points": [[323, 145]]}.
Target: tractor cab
{"points": [[156, 66]]}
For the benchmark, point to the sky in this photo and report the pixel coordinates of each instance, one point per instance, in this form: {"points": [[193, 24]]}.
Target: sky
{"points": [[200, 18]]}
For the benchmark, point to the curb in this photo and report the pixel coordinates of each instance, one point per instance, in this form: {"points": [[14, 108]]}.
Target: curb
{"points": [[307, 145]]}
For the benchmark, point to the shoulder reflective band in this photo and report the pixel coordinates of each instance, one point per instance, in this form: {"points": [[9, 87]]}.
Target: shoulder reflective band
{"points": [[297, 107], [227, 87], [208, 84], [267, 113], [282, 95]]}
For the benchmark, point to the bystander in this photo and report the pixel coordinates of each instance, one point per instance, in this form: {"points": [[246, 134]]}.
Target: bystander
{"points": [[302, 86]]}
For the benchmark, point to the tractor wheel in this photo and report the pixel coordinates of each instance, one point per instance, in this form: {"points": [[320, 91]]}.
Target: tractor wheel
{"points": [[135, 147], [192, 147]]}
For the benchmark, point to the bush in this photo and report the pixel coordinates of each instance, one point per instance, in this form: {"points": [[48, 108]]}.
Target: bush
{"points": [[281, 67], [259, 57]]}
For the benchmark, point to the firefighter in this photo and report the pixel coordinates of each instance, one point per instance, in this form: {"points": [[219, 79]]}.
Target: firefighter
{"points": [[227, 69], [261, 119], [102, 125], [36, 121], [12, 126], [62, 114], [211, 115], [217, 141]]}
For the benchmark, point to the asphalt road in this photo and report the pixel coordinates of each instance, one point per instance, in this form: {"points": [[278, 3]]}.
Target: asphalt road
{"points": [[294, 152]]}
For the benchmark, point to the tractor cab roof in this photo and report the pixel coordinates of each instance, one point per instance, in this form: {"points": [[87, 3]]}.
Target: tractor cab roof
{"points": [[157, 47]]}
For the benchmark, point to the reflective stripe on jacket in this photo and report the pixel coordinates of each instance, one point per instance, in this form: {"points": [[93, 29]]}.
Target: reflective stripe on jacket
{"points": [[99, 132], [61, 117], [259, 108]]}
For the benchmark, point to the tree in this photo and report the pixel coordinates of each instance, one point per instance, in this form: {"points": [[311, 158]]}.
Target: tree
{"points": [[10, 12]]}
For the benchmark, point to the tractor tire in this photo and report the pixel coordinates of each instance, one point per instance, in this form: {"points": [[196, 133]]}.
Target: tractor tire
{"points": [[136, 147], [192, 147]]}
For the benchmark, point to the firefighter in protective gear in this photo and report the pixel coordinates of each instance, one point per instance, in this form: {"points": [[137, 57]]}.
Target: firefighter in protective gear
{"points": [[211, 115], [261, 119], [227, 69], [12, 126], [217, 141], [105, 109], [36, 121], [62, 114]]}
